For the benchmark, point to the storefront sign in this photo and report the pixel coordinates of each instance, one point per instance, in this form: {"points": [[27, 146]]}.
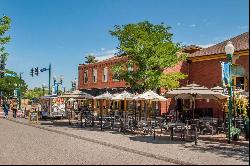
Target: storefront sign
{"points": [[33, 117]]}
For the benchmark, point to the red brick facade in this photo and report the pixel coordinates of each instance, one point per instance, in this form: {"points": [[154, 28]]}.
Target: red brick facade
{"points": [[100, 84], [202, 70]]}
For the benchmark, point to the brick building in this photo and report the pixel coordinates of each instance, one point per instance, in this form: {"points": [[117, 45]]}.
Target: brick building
{"points": [[202, 67]]}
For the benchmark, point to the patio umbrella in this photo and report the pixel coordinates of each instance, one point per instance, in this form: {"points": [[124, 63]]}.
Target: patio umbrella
{"points": [[77, 94], [124, 96], [105, 96], [194, 91], [150, 96]]}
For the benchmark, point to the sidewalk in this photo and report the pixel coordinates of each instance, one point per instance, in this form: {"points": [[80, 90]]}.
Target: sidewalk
{"points": [[178, 152]]}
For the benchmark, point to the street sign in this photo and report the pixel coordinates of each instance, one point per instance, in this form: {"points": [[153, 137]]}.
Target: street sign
{"points": [[11, 75], [15, 92]]}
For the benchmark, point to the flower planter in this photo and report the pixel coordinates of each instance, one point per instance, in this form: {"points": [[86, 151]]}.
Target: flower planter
{"points": [[236, 137]]}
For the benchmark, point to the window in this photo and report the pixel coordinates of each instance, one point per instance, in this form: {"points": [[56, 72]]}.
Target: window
{"points": [[85, 76], [239, 83], [105, 74], [94, 75]]}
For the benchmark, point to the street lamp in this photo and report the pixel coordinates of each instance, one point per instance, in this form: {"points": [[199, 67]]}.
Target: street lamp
{"points": [[229, 49], [73, 82], [57, 83], [43, 86]]}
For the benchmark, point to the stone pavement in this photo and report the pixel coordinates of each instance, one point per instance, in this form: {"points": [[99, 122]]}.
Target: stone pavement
{"points": [[178, 152]]}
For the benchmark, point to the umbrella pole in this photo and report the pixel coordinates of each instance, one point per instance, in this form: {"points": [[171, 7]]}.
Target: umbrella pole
{"points": [[135, 109], [140, 110], [125, 111], [155, 119], [101, 112]]}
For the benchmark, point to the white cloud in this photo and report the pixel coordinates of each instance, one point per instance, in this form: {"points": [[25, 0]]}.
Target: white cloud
{"points": [[100, 58], [244, 27], [103, 54], [193, 25], [206, 45]]}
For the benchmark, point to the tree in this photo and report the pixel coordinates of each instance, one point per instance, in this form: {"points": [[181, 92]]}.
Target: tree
{"points": [[9, 83], [149, 49], [35, 93], [240, 105], [90, 59], [4, 26]]}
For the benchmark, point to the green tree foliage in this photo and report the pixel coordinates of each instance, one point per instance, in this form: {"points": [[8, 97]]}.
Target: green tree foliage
{"points": [[4, 26], [240, 105], [149, 49], [9, 83], [35, 93], [90, 59]]}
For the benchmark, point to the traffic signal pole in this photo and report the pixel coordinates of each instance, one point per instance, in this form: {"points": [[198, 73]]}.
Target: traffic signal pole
{"points": [[49, 78]]}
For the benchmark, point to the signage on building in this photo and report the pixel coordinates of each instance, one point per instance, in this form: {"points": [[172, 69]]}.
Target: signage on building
{"points": [[225, 73]]}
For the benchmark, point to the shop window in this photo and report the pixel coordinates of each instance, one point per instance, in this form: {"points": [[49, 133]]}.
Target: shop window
{"points": [[239, 83]]}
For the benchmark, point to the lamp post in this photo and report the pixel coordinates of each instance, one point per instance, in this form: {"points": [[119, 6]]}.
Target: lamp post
{"points": [[73, 82], [57, 83], [229, 49], [43, 86]]}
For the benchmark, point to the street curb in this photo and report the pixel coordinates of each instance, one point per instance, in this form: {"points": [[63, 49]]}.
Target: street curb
{"points": [[158, 157]]}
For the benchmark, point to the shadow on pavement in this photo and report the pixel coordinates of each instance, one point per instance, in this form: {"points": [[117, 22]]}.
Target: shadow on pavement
{"points": [[221, 149]]}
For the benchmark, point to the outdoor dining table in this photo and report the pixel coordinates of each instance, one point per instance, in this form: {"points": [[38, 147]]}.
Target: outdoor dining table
{"points": [[177, 126]]}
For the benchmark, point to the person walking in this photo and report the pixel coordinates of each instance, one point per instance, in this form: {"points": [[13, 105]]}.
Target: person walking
{"points": [[5, 109], [14, 108]]}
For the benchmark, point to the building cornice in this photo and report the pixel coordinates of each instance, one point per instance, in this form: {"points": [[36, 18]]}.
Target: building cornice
{"points": [[217, 56]]}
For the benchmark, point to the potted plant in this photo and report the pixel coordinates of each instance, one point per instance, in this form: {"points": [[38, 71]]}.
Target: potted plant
{"points": [[234, 133]]}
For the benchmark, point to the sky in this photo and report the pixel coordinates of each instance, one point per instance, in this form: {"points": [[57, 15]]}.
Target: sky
{"points": [[63, 32]]}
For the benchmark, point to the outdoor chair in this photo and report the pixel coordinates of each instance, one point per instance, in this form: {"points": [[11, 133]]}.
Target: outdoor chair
{"points": [[220, 127]]}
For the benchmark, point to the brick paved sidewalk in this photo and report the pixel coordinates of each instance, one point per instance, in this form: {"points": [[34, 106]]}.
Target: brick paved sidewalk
{"points": [[205, 152]]}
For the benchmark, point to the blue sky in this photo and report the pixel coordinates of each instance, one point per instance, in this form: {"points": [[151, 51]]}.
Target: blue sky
{"points": [[62, 32]]}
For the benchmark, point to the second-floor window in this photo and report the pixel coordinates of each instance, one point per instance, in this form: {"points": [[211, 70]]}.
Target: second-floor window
{"points": [[105, 74], [85, 76], [94, 75]]}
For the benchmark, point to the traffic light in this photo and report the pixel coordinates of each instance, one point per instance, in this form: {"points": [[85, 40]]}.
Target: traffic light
{"points": [[32, 72], [2, 67], [2, 74], [36, 71]]}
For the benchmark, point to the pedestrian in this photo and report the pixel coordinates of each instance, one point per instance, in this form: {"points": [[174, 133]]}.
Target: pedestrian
{"points": [[5, 109], [14, 108]]}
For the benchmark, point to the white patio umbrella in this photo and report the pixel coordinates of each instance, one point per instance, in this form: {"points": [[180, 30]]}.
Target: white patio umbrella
{"points": [[194, 91], [105, 96], [73, 96], [150, 96], [124, 96], [77, 94]]}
